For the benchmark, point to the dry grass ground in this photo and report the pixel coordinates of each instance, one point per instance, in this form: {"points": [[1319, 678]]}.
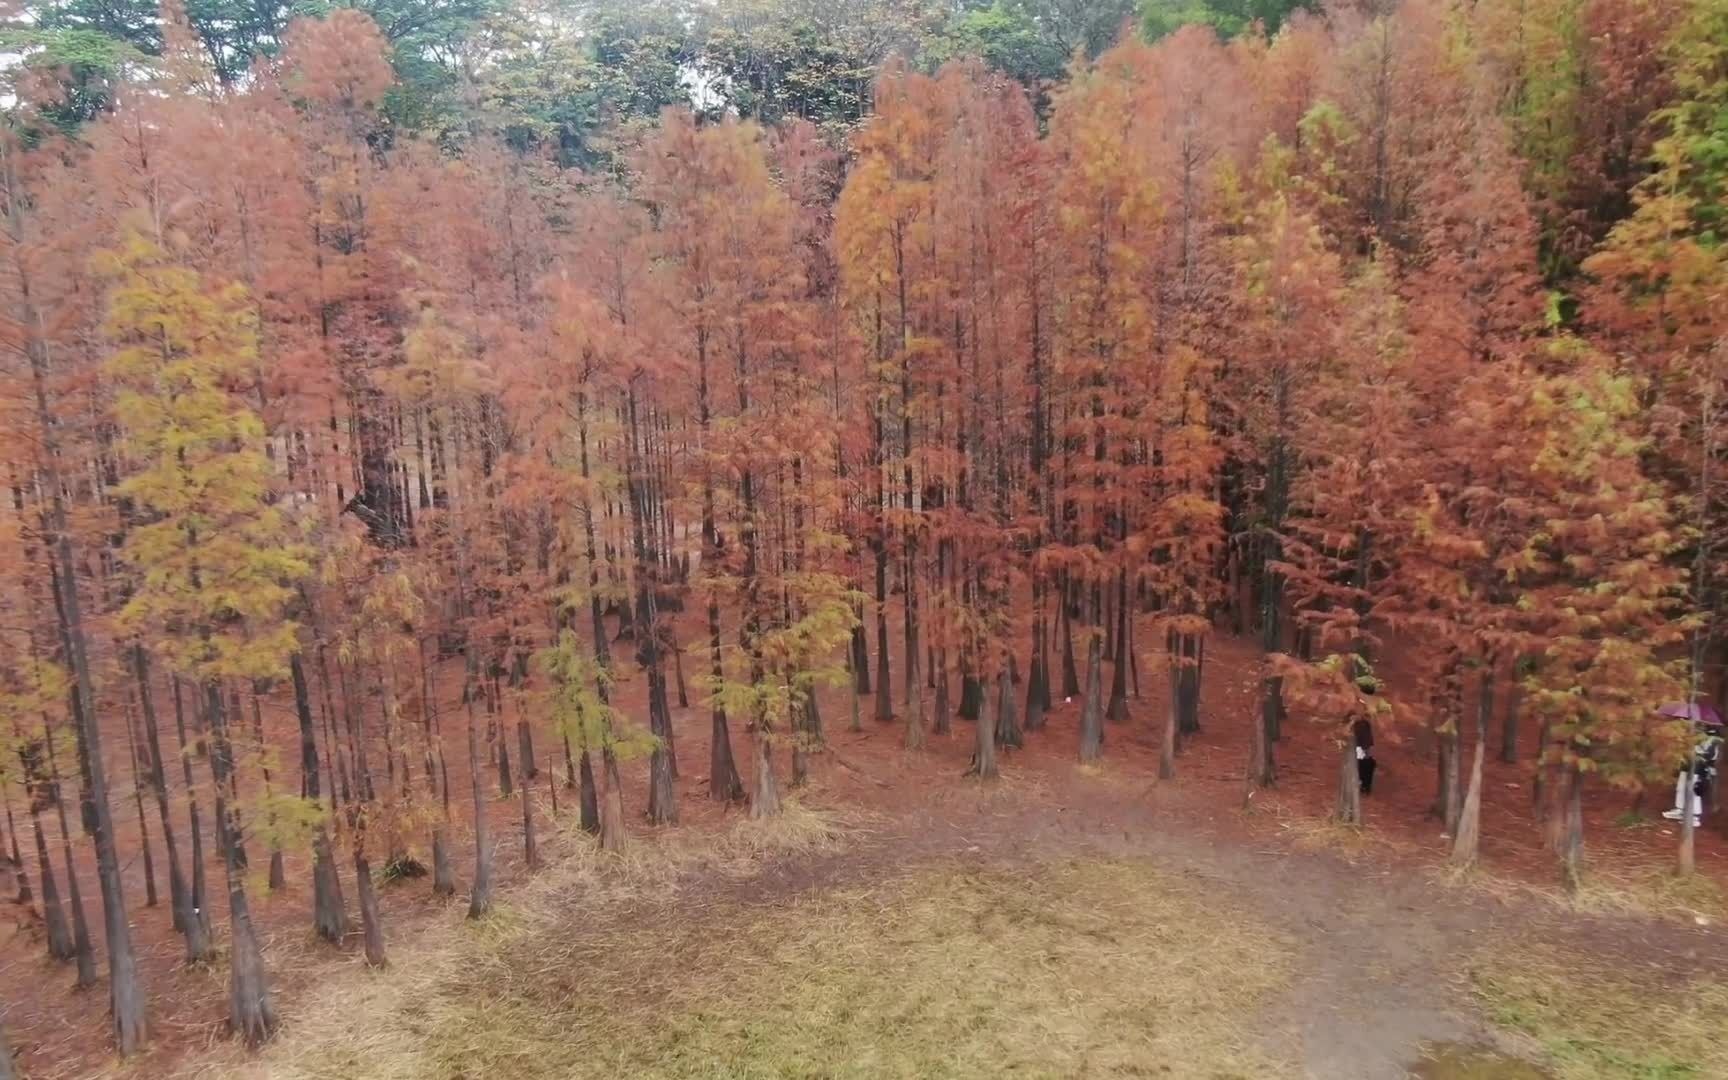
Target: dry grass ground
{"points": [[1085, 967], [1588, 1020]]}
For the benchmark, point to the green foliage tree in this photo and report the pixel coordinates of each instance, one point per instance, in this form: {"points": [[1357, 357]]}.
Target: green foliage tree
{"points": [[214, 573]]}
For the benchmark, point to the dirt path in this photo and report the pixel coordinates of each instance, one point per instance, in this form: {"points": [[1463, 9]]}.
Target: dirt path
{"points": [[1382, 947]]}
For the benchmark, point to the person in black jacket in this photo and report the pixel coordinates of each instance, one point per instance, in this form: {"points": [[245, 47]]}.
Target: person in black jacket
{"points": [[1363, 733]]}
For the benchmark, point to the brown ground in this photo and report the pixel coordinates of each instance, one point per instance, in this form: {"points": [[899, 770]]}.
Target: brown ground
{"points": [[1381, 939]]}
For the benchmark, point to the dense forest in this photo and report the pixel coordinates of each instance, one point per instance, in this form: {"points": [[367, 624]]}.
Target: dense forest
{"points": [[405, 404]]}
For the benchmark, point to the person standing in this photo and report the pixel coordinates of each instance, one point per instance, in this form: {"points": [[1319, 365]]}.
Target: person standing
{"points": [[1362, 731], [1702, 772]]}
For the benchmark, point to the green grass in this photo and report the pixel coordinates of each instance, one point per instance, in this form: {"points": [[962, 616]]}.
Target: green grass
{"points": [[1084, 968], [1593, 1022]]}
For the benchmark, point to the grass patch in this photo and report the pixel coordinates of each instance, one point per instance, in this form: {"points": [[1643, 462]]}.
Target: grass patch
{"points": [[1097, 968], [1638, 892], [1594, 1022]]}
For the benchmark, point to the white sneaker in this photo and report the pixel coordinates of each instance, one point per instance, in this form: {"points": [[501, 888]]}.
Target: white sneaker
{"points": [[1672, 815]]}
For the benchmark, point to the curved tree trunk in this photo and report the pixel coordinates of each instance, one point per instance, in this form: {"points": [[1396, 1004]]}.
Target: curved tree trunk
{"points": [[1466, 844]]}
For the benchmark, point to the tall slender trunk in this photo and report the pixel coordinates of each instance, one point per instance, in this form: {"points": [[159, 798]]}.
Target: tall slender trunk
{"points": [[179, 892], [251, 1011], [141, 764], [1572, 831], [58, 927], [82, 950], [1092, 710], [1118, 710], [200, 943]]}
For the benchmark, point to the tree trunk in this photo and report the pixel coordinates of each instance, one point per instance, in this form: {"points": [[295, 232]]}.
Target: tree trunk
{"points": [[200, 943], [1007, 723], [60, 943], [944, 724], [984, 747], [765, 790], [588, 796], [914, 703], [329, 914], [251, 1012], [1092, 710], [82, 950], [1167, 743], [884, 687], [1451, 795], [611, 806], [1348, 809], [1118, 710], [480, 895], [1572, 832], [530, 844], [371, 922], [443, 868], [1466, 842], [1037, 689], [1070, 677], [140, 763]]}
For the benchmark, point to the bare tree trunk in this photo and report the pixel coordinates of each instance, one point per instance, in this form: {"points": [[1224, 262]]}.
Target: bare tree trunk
{"points": [[371, 920], [24, 895], [611, 806], [251, 1012], [179, 893], [914, 702], [1466, 843], [60, 943], [984, 748], [589, 795], [1118, 710], [82, 950], [200, 943], [1348, 810], [1092, 710], [1572, 834], [765, 790], [530, 846], [944, 707], [1007, 723], [480, 895], [140, 763]]}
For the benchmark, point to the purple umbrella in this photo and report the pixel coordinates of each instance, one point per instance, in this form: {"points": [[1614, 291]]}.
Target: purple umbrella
{"points": [[1701, 713]]}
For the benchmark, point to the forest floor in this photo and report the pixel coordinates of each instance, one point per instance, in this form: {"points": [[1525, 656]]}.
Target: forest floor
{"points": [[903, 921]]}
